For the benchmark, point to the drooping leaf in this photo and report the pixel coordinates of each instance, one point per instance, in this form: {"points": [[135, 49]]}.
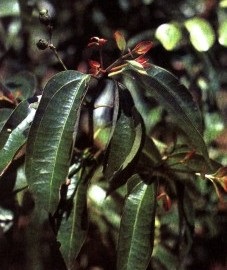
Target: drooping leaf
{"points": [[136, 235], [126, 142], [106, 108], [73, 229], [15, 140], [202, 35], [4, 115], [165, 257], [175, 98], [51, 136], [15, 118], [186, 220], [169, 34], [23, 84]]}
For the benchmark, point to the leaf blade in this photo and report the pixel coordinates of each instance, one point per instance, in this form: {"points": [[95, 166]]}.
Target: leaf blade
{"points": [[165, 88], [51, 136], [137, 227]]}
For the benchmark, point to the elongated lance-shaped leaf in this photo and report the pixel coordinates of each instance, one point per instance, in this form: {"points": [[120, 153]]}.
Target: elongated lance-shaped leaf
{"points": [[126, 142], [176, 99], [16, 139], [137, 227], [51, 136], [73, 230], [15, 118]]}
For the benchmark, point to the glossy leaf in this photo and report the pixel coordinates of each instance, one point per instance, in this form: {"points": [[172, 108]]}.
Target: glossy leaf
{"points": [[15, 140], [23, 84], [137, 228], [169, 34], [51, 136], [106, 109], [125, 144], [175, 98], [202, 35], [15, 118]]}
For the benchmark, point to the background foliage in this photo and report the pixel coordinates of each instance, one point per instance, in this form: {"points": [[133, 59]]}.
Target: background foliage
{"points": [[190, 40]]}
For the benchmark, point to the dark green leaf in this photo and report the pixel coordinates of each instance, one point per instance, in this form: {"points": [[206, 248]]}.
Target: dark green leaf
{"points": [[51, 136], [15, 139], [165, 257], [137, 227], [73, 230], [23, 84], [186, 220], [126, 142], [15, 118], [4, 115], [175, 98]]}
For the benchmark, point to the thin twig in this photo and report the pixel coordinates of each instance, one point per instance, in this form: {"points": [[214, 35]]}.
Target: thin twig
{"points": [[53, 48]]}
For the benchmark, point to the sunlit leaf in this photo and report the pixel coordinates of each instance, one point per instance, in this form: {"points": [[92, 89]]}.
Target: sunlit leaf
{"points": [[222, 33], [9, 8], [169, 34], [175, 98], [136, 235], [202, 35], [51, 136]]}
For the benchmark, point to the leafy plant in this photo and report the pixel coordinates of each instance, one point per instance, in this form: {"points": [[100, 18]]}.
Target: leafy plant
{"points": [[82, 153]]}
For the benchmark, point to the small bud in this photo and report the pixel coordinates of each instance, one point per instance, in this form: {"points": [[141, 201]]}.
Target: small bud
{"points": [[44, 17], [42, 44]]}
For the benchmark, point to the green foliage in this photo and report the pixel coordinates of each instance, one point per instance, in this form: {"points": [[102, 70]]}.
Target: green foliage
{"points": [[117, 157]]}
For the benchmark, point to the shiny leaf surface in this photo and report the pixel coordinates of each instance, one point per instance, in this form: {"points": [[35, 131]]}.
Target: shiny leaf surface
{"points": [[51, 136], [137, 227]]}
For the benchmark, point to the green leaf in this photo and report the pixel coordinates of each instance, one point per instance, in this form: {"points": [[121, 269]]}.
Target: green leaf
{"points": [[23, 84], [169, 34], [51, 136], [137, 228], [186, 220], [223, 4], [222, 33], [175, 98], [126, 142], [9, 8], [202, 35], [15, 139], [4, 115], [165, 257], [15, 118], [120, 40], [73, 230]]}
